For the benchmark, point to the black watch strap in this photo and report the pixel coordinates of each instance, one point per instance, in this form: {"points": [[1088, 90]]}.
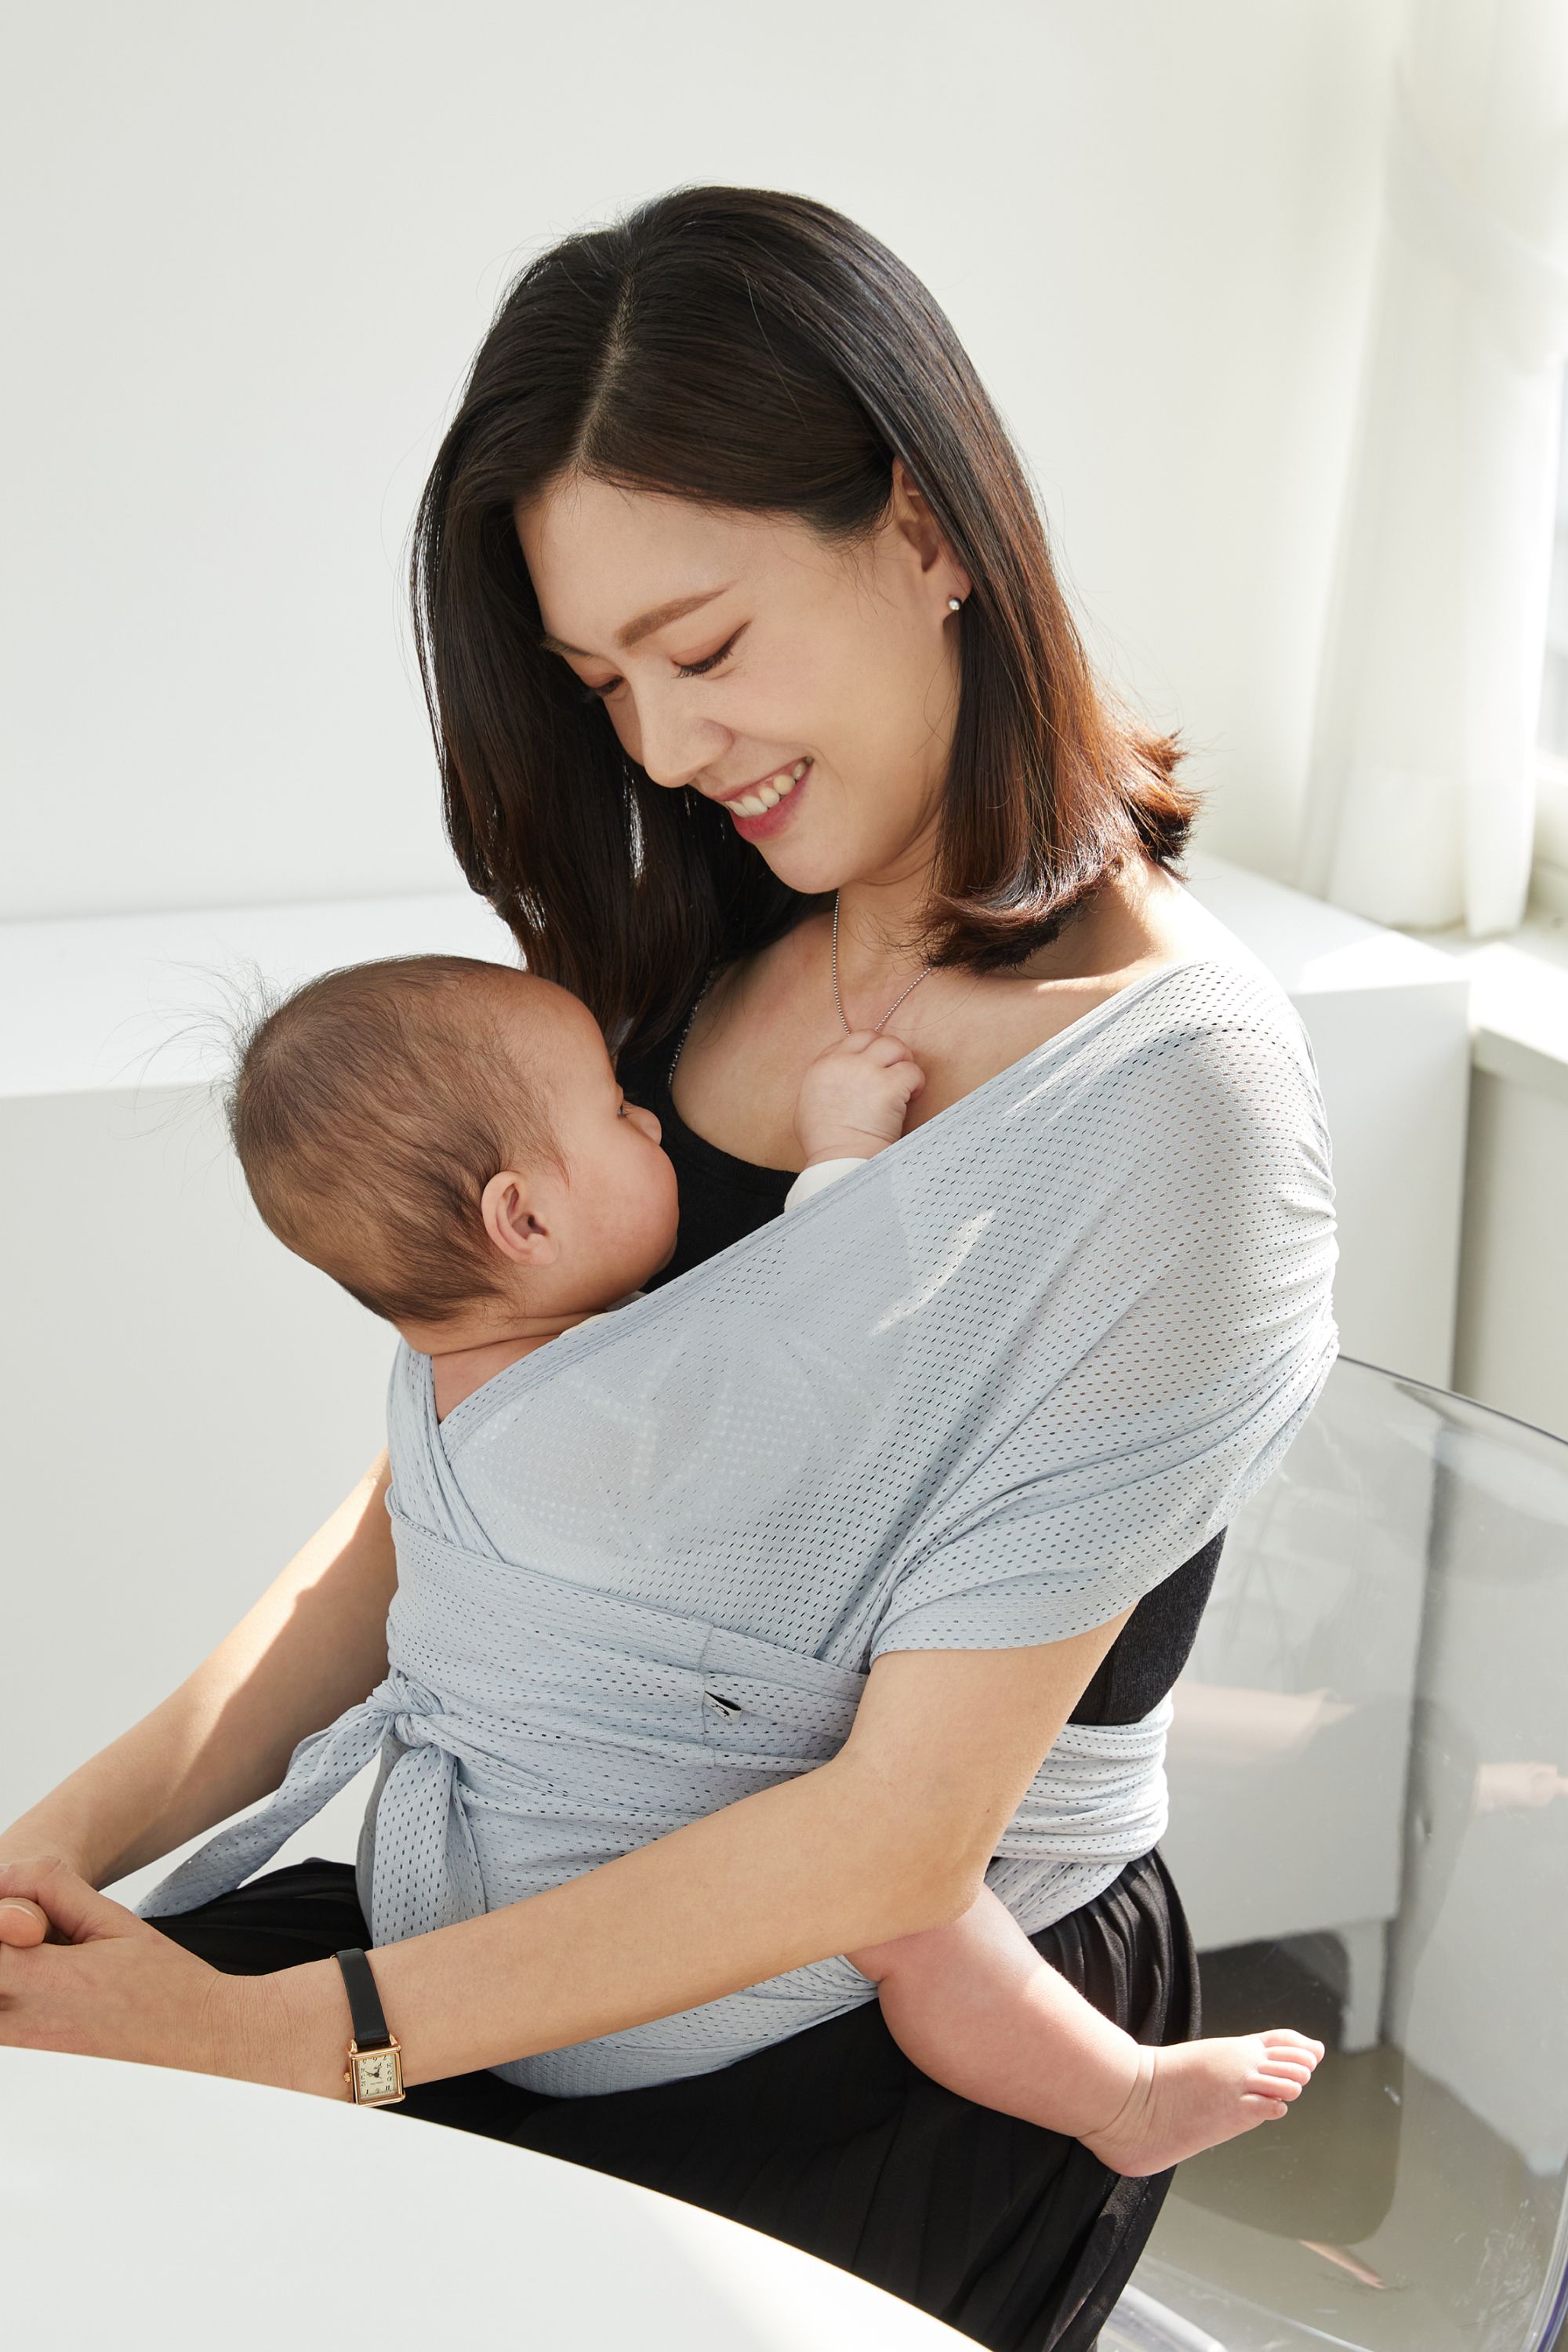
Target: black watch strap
{"points": [[370, 2024]]}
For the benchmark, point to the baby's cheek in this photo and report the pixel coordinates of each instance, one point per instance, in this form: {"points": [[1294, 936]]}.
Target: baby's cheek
{"points": [[664, 1197]]}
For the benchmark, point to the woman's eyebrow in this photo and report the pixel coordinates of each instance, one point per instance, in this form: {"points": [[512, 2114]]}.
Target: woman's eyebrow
{"points": [[644, 625]]}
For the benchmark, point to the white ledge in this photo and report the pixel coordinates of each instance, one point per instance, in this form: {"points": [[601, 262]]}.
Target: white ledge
{"points": [[1312, 948], [1519, 1000], [1518, 986], [111, 1003]]}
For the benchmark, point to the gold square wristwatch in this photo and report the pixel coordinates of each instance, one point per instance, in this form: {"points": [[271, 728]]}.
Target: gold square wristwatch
{"points": [[375, 2071]]}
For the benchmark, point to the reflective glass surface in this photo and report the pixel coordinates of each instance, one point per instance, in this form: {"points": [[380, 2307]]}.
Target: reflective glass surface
{"points": [[1369, 1794]]}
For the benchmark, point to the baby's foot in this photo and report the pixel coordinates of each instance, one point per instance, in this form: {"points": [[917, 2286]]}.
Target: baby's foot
{"points": [[1193, 2094]]}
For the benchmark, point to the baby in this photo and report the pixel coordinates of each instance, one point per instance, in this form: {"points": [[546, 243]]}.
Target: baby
{"points": [[449, 1140]]}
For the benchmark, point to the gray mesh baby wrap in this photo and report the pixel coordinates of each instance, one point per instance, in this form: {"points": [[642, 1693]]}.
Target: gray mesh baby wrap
{"points": [[987, 1390]]}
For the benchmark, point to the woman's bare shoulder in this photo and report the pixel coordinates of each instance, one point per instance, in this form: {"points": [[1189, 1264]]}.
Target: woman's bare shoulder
{"points": [[1133, 929], [1140, 921]]}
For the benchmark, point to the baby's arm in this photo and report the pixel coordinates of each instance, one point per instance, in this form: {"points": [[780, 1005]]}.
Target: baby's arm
{"points": [[976, 2008]]}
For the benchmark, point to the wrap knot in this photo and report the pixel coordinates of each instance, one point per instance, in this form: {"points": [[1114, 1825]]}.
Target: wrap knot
{"points": [[410, 1710]]}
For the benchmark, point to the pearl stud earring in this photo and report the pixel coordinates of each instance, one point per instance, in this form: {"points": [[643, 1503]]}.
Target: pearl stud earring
{"points": [[956, 604]]}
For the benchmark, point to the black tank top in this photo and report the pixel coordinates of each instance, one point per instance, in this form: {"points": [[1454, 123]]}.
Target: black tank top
{"points": [[722, 1199]]}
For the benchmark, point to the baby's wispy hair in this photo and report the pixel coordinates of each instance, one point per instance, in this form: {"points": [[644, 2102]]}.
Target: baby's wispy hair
{"points": [[370, 1108]]}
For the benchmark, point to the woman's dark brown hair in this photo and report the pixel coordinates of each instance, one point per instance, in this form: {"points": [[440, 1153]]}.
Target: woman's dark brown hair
{"points": [[757, 351]]}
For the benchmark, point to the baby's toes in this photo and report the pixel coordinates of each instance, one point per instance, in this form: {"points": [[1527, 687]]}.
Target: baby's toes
{"points": [[1278, 2086], [1297, 2069], [1290, 2053], [1278, 2075], [1280, 2041], [1275, 2088], [1264, 2106]]}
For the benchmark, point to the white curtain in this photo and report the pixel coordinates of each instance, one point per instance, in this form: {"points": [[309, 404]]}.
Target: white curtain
{"points": [[1420, 801]]}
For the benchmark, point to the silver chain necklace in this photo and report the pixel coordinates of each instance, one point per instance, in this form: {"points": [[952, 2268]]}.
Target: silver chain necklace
{"points": [[838, 1005]]}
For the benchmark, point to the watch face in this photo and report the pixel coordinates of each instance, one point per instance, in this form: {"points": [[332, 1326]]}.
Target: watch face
{"points": [[377, 2073]]}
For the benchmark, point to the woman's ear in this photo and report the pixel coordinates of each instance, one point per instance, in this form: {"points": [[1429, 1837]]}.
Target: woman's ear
{"points": [[512, 1221], [911, 516]]}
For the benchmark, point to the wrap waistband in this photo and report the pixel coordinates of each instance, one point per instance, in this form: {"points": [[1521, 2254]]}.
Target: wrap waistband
{"points": [[569, 1725], [431, 1571]]}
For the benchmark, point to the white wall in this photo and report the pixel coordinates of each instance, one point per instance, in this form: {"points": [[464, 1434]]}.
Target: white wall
{"points": [[250, 250], [222, 1398]]}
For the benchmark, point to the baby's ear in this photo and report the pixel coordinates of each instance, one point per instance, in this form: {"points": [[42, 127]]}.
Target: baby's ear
{"points": [[512, 1222]]}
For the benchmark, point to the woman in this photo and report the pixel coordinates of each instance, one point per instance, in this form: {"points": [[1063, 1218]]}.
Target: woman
{"points": [[760, 716]]}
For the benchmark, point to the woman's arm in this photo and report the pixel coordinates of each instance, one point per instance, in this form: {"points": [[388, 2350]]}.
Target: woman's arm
{"points": [[314, 1644], [892, 1836]]}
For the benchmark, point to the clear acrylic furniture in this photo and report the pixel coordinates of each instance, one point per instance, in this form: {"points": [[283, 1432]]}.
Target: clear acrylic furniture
{"points": [[1369, 1774]]}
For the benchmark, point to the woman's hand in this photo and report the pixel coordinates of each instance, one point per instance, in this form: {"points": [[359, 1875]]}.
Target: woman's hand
{"points": [[23, 1924], [79, 1972]]}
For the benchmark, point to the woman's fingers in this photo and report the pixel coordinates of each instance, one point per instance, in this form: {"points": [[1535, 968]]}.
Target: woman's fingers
{"points": [[119, 1989], [67, 1903], [22, 1924]]}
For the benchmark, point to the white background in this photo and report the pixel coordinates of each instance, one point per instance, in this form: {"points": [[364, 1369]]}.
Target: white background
{"points": [[251, 248]]}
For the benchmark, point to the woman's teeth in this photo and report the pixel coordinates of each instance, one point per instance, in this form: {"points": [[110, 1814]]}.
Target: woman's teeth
{"points": [[768, 795]]}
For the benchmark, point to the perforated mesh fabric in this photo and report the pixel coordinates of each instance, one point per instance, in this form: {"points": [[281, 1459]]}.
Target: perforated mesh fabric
{"points": [[986, 1392]]}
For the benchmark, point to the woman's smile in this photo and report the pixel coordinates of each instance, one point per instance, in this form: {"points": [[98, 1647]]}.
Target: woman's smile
{"points": [[765, 809]]}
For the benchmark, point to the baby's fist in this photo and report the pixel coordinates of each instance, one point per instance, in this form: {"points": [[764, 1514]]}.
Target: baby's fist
{"points": [[854, 1097]]}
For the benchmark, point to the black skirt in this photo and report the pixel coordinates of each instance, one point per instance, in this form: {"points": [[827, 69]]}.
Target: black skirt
{"points": [[832, 2140]]}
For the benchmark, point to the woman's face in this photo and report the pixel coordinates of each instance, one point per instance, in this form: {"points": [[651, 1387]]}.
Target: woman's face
{"points": [[741, 656]]}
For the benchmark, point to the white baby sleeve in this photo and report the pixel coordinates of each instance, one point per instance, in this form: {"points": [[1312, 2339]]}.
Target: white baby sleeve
{"points": [[811, 1181]]}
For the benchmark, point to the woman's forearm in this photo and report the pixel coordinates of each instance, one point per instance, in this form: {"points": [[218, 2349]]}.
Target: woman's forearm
{"points": [[314, 1644], [789, 1875], [891, 1838]]}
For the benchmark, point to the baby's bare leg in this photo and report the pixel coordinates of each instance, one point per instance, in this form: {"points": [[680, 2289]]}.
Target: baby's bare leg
{"points": [[975, 2007]]}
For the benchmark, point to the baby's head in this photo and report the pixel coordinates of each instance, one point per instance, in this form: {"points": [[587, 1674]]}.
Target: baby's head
{"points": [[447, 1139]]}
